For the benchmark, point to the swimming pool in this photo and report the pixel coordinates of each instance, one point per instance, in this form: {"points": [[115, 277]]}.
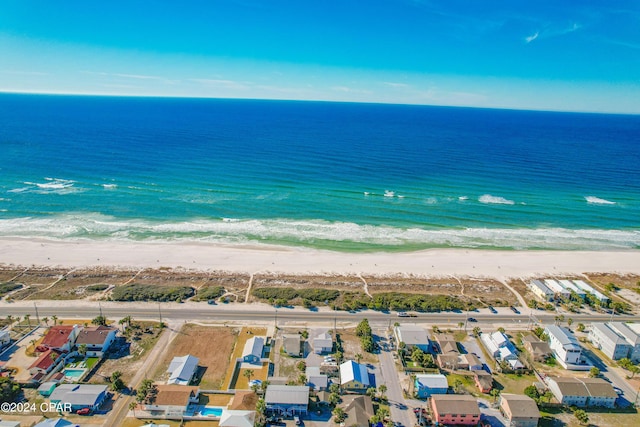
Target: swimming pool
{"points": [[73, 373], [211, 411]]}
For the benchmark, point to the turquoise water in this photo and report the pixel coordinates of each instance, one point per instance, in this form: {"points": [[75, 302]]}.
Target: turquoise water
{"points": [[211, 411], [347, 177], [74, 373]]}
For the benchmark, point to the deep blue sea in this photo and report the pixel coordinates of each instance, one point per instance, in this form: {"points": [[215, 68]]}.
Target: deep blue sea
{"points": [[340, 176]]}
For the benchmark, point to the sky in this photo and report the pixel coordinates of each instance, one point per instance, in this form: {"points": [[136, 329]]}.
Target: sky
{"points": [[564, 55]]}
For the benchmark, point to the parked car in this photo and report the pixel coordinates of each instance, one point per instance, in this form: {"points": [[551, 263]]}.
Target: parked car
{"points": [[515, 310], [84, 411], [493, 310], [472, 319], [403, 314], [297, 420]]}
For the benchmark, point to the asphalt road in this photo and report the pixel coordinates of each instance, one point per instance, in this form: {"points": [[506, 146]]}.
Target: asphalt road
{"points": [[215, 313]]}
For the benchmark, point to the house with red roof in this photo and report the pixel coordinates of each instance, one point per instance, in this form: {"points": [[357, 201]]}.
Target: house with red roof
{"points": [[45, 362], [59, 337]]}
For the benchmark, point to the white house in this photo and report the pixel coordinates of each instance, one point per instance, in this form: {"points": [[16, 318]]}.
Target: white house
{"points": [[582, 392], [616, 340], [182, 369], [315, 379], [557, 288], [565, 348], [412, 336], [291, 344], [287, 399], [354, 377], [568, 284], [253, 348], [501, 349], [427, 385], [590, 290], [230, 418], [323, 343], [79, 396], [97, 339]]}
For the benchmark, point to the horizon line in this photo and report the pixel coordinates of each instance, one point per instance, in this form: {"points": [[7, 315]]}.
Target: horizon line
{"points": [[112, 95]]}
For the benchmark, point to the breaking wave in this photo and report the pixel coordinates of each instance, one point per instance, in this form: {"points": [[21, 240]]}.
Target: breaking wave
{"points": [[315, 233], [495, 200], [598, 201]]}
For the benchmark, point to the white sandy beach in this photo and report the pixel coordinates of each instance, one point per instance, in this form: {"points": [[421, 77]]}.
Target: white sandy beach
{"points": [[437, 262]]}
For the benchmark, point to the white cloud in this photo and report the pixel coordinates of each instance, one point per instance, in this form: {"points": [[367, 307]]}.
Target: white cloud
{"points": [[394, 84], [532, 37]]}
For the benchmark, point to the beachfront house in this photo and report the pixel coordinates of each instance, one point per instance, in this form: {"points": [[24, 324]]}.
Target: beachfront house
{"points": [[60, 337], [565, 348], [454, 409], [55, 422], [541, 290], [173, 401], [412, 336], [571, 287], [427, 385], [252, 352], [616, 339], [287, 399], [355, 378], [582, 392], [501, 349], [182, 369], [559, 290], [80, 396], [603, 299], [519, 410], [291, 344], [97, 339], [322, 343]]}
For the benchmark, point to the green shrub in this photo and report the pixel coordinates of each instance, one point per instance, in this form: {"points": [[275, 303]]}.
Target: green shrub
{"points": [[97, 288], [136, 292], [212, 292], [5, 288]]}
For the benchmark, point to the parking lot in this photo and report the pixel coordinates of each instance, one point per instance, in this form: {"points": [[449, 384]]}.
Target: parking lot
{"points": [[16, 357]]}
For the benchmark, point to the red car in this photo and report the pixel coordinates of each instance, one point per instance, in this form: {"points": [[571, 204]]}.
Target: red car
{"points": [[84, 411]]}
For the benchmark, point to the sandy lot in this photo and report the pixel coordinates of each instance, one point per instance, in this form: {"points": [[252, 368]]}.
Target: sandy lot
{"points": [[212, 345]]}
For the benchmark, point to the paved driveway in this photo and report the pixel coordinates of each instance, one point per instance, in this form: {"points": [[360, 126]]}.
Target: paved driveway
{"points": [[471, 345]]}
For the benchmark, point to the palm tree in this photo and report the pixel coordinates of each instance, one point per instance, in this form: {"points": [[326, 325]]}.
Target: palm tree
{"points": [[413, 384], [55, 319], [132, 407], [495, 393], [248, 373], [46, 321], [27, 318], [383, 389], [358, 357], [82, 350]]}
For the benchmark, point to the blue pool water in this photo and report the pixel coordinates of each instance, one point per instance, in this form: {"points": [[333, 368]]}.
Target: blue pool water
{"points": [[211, 411], [74, 373]]}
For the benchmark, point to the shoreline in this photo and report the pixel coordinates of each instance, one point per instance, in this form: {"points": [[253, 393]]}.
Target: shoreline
{"points": [[201, 256]]}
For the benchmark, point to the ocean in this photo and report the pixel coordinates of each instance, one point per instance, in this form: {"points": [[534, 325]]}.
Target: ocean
{"points": [[337, 176]]}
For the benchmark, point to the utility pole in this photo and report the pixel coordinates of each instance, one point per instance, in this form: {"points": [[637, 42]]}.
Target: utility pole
{"points": [[275, 323], [100, 308], [36, 308], [160, 313]]}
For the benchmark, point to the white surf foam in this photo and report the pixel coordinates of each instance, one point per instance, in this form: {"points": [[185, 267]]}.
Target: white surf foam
{"points": [[463, 198], [110, 186], [388, 193], [598, 201], [495, 200], [313, 233]]}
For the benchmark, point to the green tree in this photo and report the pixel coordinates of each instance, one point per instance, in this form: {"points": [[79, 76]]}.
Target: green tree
{"points": [[382, 388], [9, 390], [494, 393], [532, 392], [457, 385], [99, 321], [27, 318], [476, 331], [46, 321], [594, 372], [82, 350], [569, 321], [371, 392], [363, 329], [460, 325], [501, 329], [132, 407], [581, 416], [581, 327], [55, 319], [358, 357], [338, 414], [116, 381]]}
